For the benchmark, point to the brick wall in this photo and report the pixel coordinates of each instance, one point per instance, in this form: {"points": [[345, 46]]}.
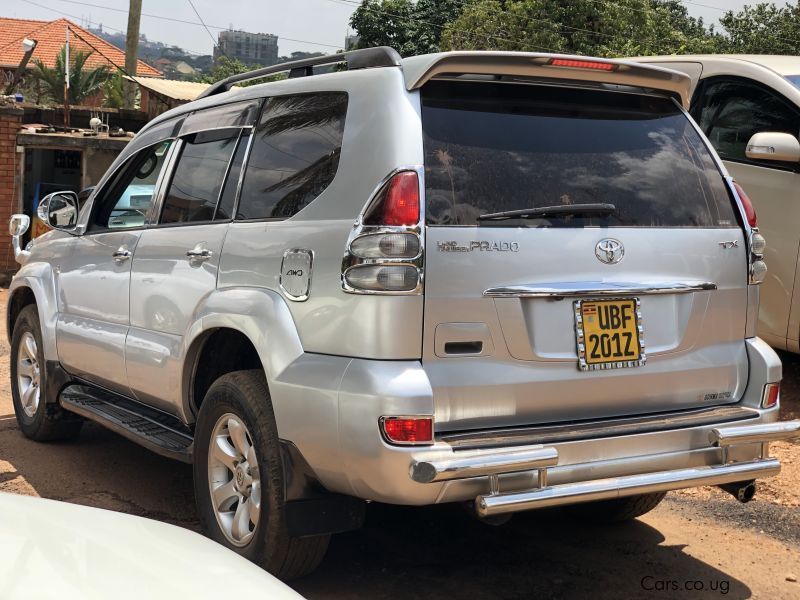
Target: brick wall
{"points": [[10, 120]]}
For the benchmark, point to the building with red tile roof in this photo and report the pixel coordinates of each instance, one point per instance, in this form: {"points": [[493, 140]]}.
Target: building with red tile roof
{"points": [[51, 36]]}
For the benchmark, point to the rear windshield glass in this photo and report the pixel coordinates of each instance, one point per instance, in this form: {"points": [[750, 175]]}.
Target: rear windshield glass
{"points": [[795, 79], [494, 147]]}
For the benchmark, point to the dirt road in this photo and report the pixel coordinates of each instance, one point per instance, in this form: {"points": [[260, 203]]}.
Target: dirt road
{"points": [[697, 544]]}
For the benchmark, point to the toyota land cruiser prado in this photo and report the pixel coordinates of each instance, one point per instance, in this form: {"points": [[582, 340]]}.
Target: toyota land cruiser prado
{"points": [[513, 280]]}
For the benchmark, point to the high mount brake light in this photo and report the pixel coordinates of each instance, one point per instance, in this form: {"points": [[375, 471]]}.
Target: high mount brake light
{"points": [[583, 64], [749, 210]]}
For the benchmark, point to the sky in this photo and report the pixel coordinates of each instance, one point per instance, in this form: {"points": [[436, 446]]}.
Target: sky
{"points": [[301, 25]]}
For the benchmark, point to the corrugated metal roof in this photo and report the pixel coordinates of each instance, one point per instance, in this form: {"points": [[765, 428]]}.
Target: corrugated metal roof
{"points": [[178, 90]]}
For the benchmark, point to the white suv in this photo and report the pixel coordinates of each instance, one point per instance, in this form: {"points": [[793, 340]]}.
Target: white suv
{"points": [[749, 107], [518, 280]]}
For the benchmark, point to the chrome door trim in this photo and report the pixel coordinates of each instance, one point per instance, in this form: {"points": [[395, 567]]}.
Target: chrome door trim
{"points": [[597, 288]]}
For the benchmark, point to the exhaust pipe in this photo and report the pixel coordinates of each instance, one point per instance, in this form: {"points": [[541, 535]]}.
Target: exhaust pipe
{"points": [[743, 491]]}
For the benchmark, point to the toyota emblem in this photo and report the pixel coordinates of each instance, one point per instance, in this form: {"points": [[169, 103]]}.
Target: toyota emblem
{"points": [[609, 251]]}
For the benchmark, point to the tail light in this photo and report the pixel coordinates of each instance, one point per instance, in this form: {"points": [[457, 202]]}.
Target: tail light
{"points": [[397, 203], [771, 395], [407, 431], [747, 204], [757, 268], [384, 253]]}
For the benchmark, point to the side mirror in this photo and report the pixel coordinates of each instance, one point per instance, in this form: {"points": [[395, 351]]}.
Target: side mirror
{"points": [[59, 210], [771, 145], [17, 227]]}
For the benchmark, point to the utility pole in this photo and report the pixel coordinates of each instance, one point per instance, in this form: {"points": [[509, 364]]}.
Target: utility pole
{"points": [[66, 81], [131, 50]]}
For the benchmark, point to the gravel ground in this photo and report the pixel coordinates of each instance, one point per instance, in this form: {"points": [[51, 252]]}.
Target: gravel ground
{"points": [[697, 544]]}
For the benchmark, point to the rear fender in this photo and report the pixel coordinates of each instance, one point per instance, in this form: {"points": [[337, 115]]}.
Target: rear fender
{"points": [[303, 387]]}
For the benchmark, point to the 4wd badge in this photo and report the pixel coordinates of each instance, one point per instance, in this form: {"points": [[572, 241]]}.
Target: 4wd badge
{"points": [[296, 274]]}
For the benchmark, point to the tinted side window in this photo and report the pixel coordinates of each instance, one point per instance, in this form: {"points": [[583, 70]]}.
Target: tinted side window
{"points": [[197, 180], [295, 154], [730, 111], [125, 201]]}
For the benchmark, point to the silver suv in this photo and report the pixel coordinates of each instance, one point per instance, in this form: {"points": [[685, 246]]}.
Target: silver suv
{"points": [[512, 280]]}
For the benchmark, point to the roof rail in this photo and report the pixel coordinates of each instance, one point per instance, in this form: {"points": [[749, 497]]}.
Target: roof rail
{"points": [[381, 56]]}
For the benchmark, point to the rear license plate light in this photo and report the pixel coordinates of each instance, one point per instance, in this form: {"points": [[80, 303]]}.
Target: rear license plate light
{"points": [[608, 334]]}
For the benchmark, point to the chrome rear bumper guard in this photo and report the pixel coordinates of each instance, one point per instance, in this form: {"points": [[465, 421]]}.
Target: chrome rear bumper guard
{"points": [[445, 467]]}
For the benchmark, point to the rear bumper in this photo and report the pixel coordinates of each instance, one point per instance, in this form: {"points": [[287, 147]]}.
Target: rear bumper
{"points": [[543, 458], [604, 461]]}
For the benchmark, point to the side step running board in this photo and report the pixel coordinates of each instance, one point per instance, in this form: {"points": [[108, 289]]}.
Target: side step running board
{"points": [[156, 431]]}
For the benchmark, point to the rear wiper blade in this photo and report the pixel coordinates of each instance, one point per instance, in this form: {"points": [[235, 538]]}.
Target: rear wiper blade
{"points": [[597, 208]]}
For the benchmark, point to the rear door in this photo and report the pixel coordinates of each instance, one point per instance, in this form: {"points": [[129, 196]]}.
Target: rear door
{"points": [[625, 294]]}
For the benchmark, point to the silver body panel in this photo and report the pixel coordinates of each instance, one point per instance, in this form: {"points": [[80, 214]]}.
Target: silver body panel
{"points": [[93, 307], [166, 289], [337, 362], [531, 376]]}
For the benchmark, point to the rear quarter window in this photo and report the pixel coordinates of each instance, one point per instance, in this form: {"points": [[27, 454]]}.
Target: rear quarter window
{"points": [[493, 147], [295, 154]]}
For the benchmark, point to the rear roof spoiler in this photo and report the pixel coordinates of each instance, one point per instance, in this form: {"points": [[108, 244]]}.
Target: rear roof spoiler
{"points": [[418, 70]]}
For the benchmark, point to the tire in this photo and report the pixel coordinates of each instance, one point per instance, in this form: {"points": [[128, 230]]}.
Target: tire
{"points": [[38, 418], [236, 399], [617, 510]]}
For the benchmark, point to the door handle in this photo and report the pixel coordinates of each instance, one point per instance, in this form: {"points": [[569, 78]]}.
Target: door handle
{"points": [[199, 254], [121, 255]]}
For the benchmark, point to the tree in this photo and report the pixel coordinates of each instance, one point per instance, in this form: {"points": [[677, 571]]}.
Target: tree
{"points": [[591, 27], [114, 91], [83, 82], [764, 29], [225, 67], [408, 27], [385, 23]]}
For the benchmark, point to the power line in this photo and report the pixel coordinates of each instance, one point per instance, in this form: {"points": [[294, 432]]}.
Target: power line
{"points": [[203, 23], [183, 21], [77, 18]]}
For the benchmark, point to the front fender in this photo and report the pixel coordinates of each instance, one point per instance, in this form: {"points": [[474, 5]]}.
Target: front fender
{"points": [[39, 278]]}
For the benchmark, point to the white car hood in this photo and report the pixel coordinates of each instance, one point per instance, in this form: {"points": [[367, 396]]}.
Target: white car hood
{"points": [[61, 551]]}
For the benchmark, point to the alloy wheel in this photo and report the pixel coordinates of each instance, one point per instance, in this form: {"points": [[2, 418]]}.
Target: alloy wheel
{"points": [[28, 374], [234, 480]]}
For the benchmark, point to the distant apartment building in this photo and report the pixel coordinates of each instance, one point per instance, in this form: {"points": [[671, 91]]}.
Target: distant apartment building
{"points": [[250, 48]]}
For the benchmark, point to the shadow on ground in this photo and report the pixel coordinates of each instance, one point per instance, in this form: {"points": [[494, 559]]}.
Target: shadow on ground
{"points": [[442, 552]]}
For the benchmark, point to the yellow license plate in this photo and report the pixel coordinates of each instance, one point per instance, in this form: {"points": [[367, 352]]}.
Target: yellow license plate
{"points": [[609, 334]]}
